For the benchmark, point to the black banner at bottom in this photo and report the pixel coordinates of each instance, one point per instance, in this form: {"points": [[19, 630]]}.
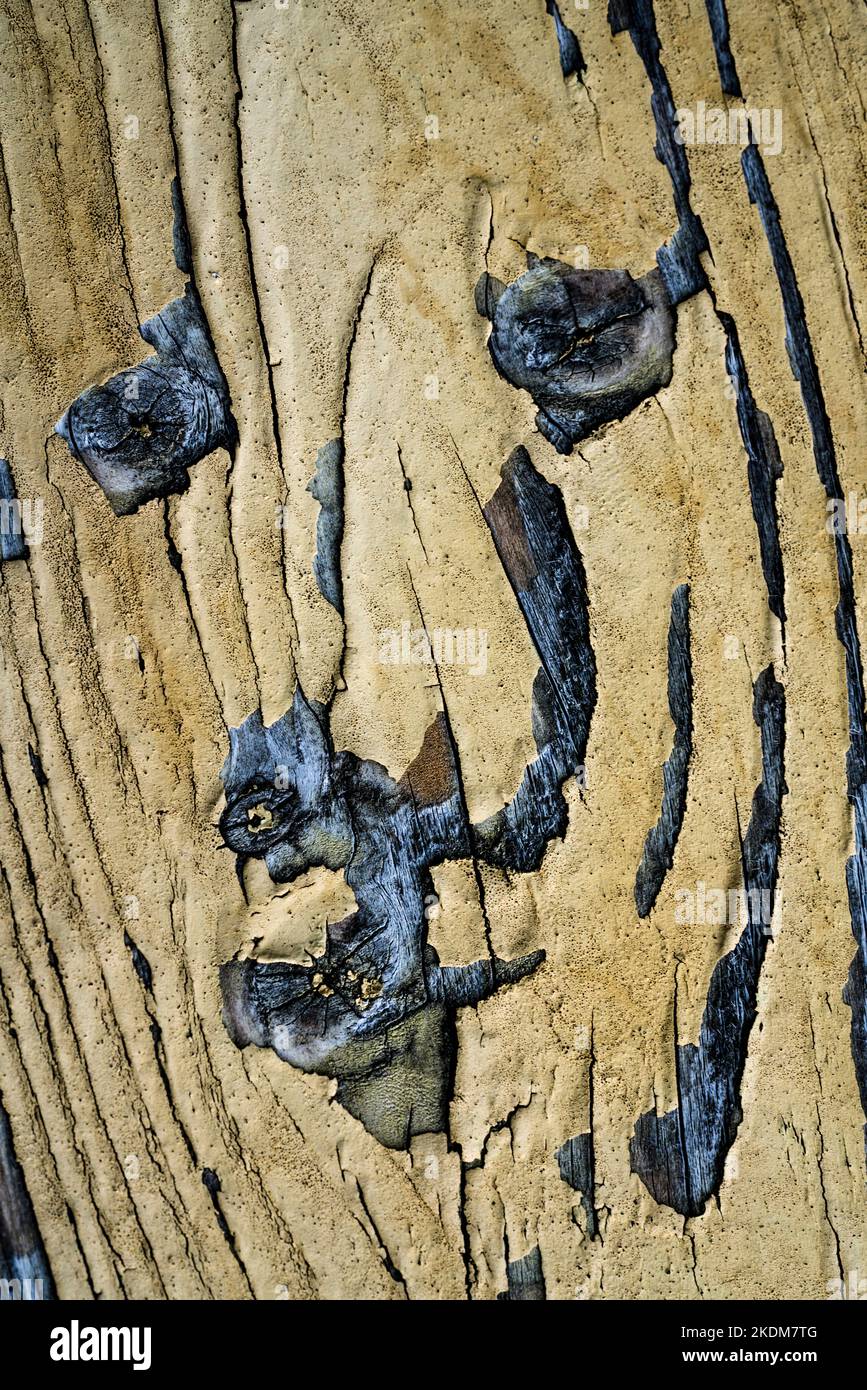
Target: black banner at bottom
{"points": [[62, 1340]]}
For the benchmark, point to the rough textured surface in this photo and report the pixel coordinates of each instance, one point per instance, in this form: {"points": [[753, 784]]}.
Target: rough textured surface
{"points": [[343, 201], [805, 371]]}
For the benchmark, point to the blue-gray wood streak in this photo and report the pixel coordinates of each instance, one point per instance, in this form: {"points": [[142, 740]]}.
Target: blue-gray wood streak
{"points": [[588, 345], [679, 260], [210, 1179], [659, 846], [710, 1075], [680, 263], [36, 766], [764, 470], [376, 1010], [327, 487], [140, 432], [680, 1155], [525, 1279], [571, 58], [531, 531], [806, 373], [24, 1268], [576, 1161], [719, 25], [12, 543]]}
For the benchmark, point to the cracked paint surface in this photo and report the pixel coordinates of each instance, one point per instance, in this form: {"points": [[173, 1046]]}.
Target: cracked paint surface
{"points": [[664, 1106], [296, 803]]}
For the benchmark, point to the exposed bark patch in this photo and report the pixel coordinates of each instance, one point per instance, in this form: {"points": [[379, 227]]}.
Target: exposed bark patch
{"points": [[764, 470], [571, 58], [719, 27], [36, 764], [526, 1279], [327, 487], [659, 846], [680, 1156], [430, 777], [214, 1187], [575, 1159], [587, 345], [375, 1010], [552, 594], [140, 962], [141, 431]]}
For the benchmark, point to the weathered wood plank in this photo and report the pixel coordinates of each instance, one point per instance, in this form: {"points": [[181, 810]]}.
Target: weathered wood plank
{"points": [[670, 354]]}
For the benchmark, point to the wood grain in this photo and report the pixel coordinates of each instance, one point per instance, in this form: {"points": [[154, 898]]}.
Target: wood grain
{"points": [[349, 173]]}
